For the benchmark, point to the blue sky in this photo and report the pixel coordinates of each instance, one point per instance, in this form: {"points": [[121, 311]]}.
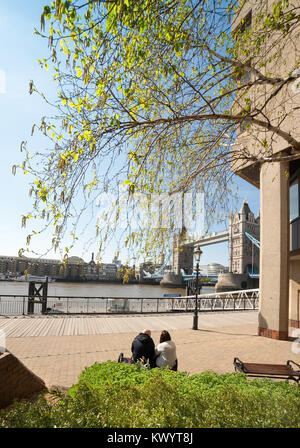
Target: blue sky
{"points": [[20, 50]]}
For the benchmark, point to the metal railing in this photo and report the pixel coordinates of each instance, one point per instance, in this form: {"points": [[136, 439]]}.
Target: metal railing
{"points": [[16, 305], [247, 299]]}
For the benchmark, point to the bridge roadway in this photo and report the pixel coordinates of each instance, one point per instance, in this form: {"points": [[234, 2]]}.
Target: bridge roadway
{"points": [[214, 238]]}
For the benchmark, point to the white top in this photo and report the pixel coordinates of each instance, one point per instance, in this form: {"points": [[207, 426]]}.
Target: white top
{"points": [[167, 354]]}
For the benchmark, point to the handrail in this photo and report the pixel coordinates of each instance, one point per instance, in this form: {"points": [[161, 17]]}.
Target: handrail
{"points": [[50, 296], [214, 294], [14, 304]]}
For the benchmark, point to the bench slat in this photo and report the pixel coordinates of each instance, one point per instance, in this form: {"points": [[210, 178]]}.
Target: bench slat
{"points": [[269, 369]]}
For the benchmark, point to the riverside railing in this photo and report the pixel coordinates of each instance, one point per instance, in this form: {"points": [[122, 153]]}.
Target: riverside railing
{"points": [[247, 299], [15, 305]]}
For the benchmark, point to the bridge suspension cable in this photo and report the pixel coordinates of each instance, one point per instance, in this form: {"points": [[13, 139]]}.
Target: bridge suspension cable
{"points": [[252, 239]]}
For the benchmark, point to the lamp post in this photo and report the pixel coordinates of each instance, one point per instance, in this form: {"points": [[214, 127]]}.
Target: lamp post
{"points": [[197, 254]]}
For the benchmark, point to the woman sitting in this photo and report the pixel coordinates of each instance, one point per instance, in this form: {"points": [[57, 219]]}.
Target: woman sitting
{"points": [[166, 351]]}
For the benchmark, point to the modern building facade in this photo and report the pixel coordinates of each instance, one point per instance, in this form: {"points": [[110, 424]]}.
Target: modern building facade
{"points": [[212, 269], [277, 173]]}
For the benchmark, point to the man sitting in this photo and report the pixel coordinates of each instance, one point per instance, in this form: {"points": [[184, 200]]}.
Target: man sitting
{"points": [[142, 347]]}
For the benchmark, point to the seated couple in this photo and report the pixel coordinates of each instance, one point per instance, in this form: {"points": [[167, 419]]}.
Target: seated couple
{"points": [[161, 356]]}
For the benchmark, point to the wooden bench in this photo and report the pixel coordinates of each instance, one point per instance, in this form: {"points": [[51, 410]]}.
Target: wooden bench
{"points": [[278, 371]]}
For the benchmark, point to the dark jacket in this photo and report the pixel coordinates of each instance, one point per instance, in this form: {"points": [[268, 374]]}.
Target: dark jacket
{"points": [[143, 345]]}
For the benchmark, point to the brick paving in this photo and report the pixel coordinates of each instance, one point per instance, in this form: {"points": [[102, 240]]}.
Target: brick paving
{"points": [[59, 359], [39, 326]]}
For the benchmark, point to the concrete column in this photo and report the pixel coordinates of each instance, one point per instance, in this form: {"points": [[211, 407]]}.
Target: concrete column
{"points": [[274, 251]]}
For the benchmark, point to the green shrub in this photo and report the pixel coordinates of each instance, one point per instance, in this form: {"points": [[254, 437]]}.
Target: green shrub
{"points": [[129, 396]]}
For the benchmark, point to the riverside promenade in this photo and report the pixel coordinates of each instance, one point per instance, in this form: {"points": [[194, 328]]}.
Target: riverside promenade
{"points": [[58, 348]]}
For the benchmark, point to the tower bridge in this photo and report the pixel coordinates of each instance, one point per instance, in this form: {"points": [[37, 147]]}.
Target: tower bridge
{"points": [[243, 241], [242, 236]]}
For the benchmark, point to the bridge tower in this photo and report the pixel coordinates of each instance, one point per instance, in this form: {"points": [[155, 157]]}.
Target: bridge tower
{"points": [[242, 253], [183, 256]]}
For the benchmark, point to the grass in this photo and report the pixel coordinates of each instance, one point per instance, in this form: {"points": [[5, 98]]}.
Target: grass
{"points": [[129, 396]]}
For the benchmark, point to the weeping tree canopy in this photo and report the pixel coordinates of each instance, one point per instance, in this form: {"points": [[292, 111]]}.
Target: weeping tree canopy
{"points": [[150, 96]]}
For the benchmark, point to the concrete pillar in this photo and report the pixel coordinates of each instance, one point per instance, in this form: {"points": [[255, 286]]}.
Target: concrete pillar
{"points": [[274, 251]]}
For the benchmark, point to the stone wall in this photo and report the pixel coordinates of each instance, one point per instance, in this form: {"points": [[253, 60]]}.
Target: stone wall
{"points": [[16, 380], [235, 282]]}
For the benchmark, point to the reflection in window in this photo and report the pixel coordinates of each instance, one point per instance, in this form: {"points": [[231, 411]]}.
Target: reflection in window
{"points": [[294, 199]]}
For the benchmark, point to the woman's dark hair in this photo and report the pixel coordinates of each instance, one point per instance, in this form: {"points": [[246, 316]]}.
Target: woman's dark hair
{"points": [[165, 336]]}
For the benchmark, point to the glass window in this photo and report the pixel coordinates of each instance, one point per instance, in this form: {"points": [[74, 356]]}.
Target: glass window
{"points": [[294, 199]]}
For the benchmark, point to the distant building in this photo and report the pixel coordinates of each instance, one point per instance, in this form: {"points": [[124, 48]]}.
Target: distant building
{"points": [[212, 270], [75, 268], [41, 267], [117, 262], [107, 271]]}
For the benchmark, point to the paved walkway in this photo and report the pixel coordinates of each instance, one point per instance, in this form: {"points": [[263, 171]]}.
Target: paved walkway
{"points": [[40, 326], [63, 347]]}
